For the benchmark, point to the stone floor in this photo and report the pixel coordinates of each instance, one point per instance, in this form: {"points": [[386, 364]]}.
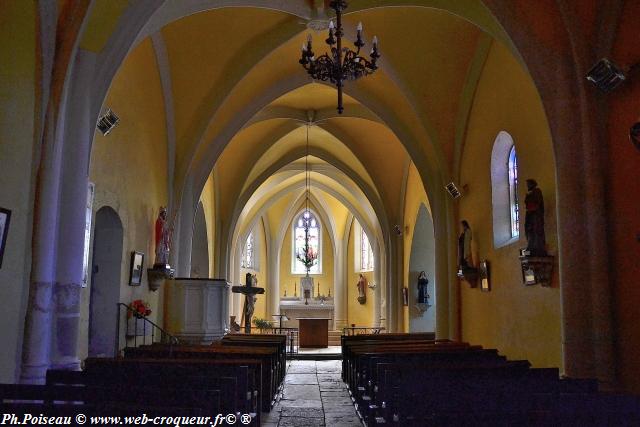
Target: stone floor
{"points": [[314, 396]]}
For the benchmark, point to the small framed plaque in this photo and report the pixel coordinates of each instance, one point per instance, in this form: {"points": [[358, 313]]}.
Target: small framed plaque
{"points": [[137, 262]]}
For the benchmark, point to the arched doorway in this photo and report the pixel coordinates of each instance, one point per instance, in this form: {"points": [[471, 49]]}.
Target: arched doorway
{"points": [[200, 245], [105, 282], [422, 259]]}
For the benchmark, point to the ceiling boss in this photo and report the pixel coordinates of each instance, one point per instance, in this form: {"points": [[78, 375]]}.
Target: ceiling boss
{"points": [[341, 63]]}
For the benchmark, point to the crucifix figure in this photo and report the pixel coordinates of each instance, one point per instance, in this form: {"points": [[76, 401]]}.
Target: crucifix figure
{"points": [[250, 292]]}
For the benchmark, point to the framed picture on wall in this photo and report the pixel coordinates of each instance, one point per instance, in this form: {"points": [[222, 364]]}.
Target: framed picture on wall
{"points": [[405, 297], [485, 284], [137, 261], [5, 217]]}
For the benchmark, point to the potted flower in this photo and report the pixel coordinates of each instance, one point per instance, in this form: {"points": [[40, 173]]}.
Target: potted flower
{"points": [[140, 309], [136, 325], [262, 324]]}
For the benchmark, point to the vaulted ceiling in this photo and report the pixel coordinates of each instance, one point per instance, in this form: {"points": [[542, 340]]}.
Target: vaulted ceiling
{"points": [[239, 102]]}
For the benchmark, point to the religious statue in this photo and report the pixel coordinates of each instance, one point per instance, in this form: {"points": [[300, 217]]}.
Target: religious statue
{"points": [[534, 220], [362, 286], [163, 238], [423, 296], [251, 305], [464, 246]]}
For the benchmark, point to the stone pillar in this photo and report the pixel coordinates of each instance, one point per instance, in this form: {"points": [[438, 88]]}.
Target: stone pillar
{"points": [[79, 129], [446, 283], [340, 287], [37, 332], [273, 271], [377, 296], [182, 243]]}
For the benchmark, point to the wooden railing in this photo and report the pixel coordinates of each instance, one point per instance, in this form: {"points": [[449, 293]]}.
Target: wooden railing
{"points": [[362, 330]]}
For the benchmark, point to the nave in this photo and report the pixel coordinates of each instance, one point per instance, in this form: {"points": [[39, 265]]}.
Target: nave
{"points": [[398, 379]]}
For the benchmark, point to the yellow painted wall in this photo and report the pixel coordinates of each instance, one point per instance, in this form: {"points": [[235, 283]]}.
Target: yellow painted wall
{"points": [[129, 169], [415, 195], [260, 309], [325, 280], [17, 112], [358, 314], [208, 205], [523, 322]]}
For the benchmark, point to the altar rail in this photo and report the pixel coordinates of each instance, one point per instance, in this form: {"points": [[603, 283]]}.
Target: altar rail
{"points": [[291, 333], [362, 330]]}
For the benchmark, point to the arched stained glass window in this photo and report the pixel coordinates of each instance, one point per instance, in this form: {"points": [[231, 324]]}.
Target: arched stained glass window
{"points": [[366, 253], [248, 256], [298, 235], [504, 191], [514, 212]]}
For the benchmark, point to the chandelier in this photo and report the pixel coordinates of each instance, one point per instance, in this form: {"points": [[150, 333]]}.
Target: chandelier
{"points": [[342, 63]]}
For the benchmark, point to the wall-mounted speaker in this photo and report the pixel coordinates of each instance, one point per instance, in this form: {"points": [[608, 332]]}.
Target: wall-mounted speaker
{"points": [[453, 190], [107, 122], [606, 75]]}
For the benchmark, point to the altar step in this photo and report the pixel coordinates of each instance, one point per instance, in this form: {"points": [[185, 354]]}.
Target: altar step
{"points": [[334, 337]]}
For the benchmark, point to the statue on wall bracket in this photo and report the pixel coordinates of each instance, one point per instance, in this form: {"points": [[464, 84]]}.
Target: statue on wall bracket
{"points": [[537, 265], [362, 287], [466, 270], [161, 269], [422, 303]]}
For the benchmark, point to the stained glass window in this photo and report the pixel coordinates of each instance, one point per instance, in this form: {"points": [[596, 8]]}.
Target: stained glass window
{"points": [[512, 166], [366, 254], [299, 243], [248, 257]]}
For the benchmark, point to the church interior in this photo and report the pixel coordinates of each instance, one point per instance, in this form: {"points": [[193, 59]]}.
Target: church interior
{"points": [[487, 112]]}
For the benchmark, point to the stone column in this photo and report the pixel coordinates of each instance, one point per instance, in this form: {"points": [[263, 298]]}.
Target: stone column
{"points": [[79, 129], [273, 270], [446, 283], [340, 288], [182, 243], [37, 332], [377, 296]]}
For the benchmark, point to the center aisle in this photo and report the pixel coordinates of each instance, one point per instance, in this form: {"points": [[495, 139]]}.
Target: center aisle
{"points": [[314, 396]]}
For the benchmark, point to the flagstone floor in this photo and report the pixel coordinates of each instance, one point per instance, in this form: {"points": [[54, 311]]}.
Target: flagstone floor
{"points": [[314, 396]]}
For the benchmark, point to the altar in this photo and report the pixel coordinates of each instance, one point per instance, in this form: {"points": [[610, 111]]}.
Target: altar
{"points": [[297, 309], [314, 332], [306, 303]]}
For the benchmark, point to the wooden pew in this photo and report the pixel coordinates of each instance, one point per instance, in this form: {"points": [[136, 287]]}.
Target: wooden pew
{"points": [[268, 357], [347, 340], [199, 374], [416, 382]]}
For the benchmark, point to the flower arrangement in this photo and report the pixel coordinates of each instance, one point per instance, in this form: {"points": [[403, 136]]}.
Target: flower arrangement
{"points": [[262, 323], [307, 256], [140, 308]]}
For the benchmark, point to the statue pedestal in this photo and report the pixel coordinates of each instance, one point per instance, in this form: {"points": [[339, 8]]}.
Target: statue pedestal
{"points": [[537, 270], [197, 310], [469, 275]]}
